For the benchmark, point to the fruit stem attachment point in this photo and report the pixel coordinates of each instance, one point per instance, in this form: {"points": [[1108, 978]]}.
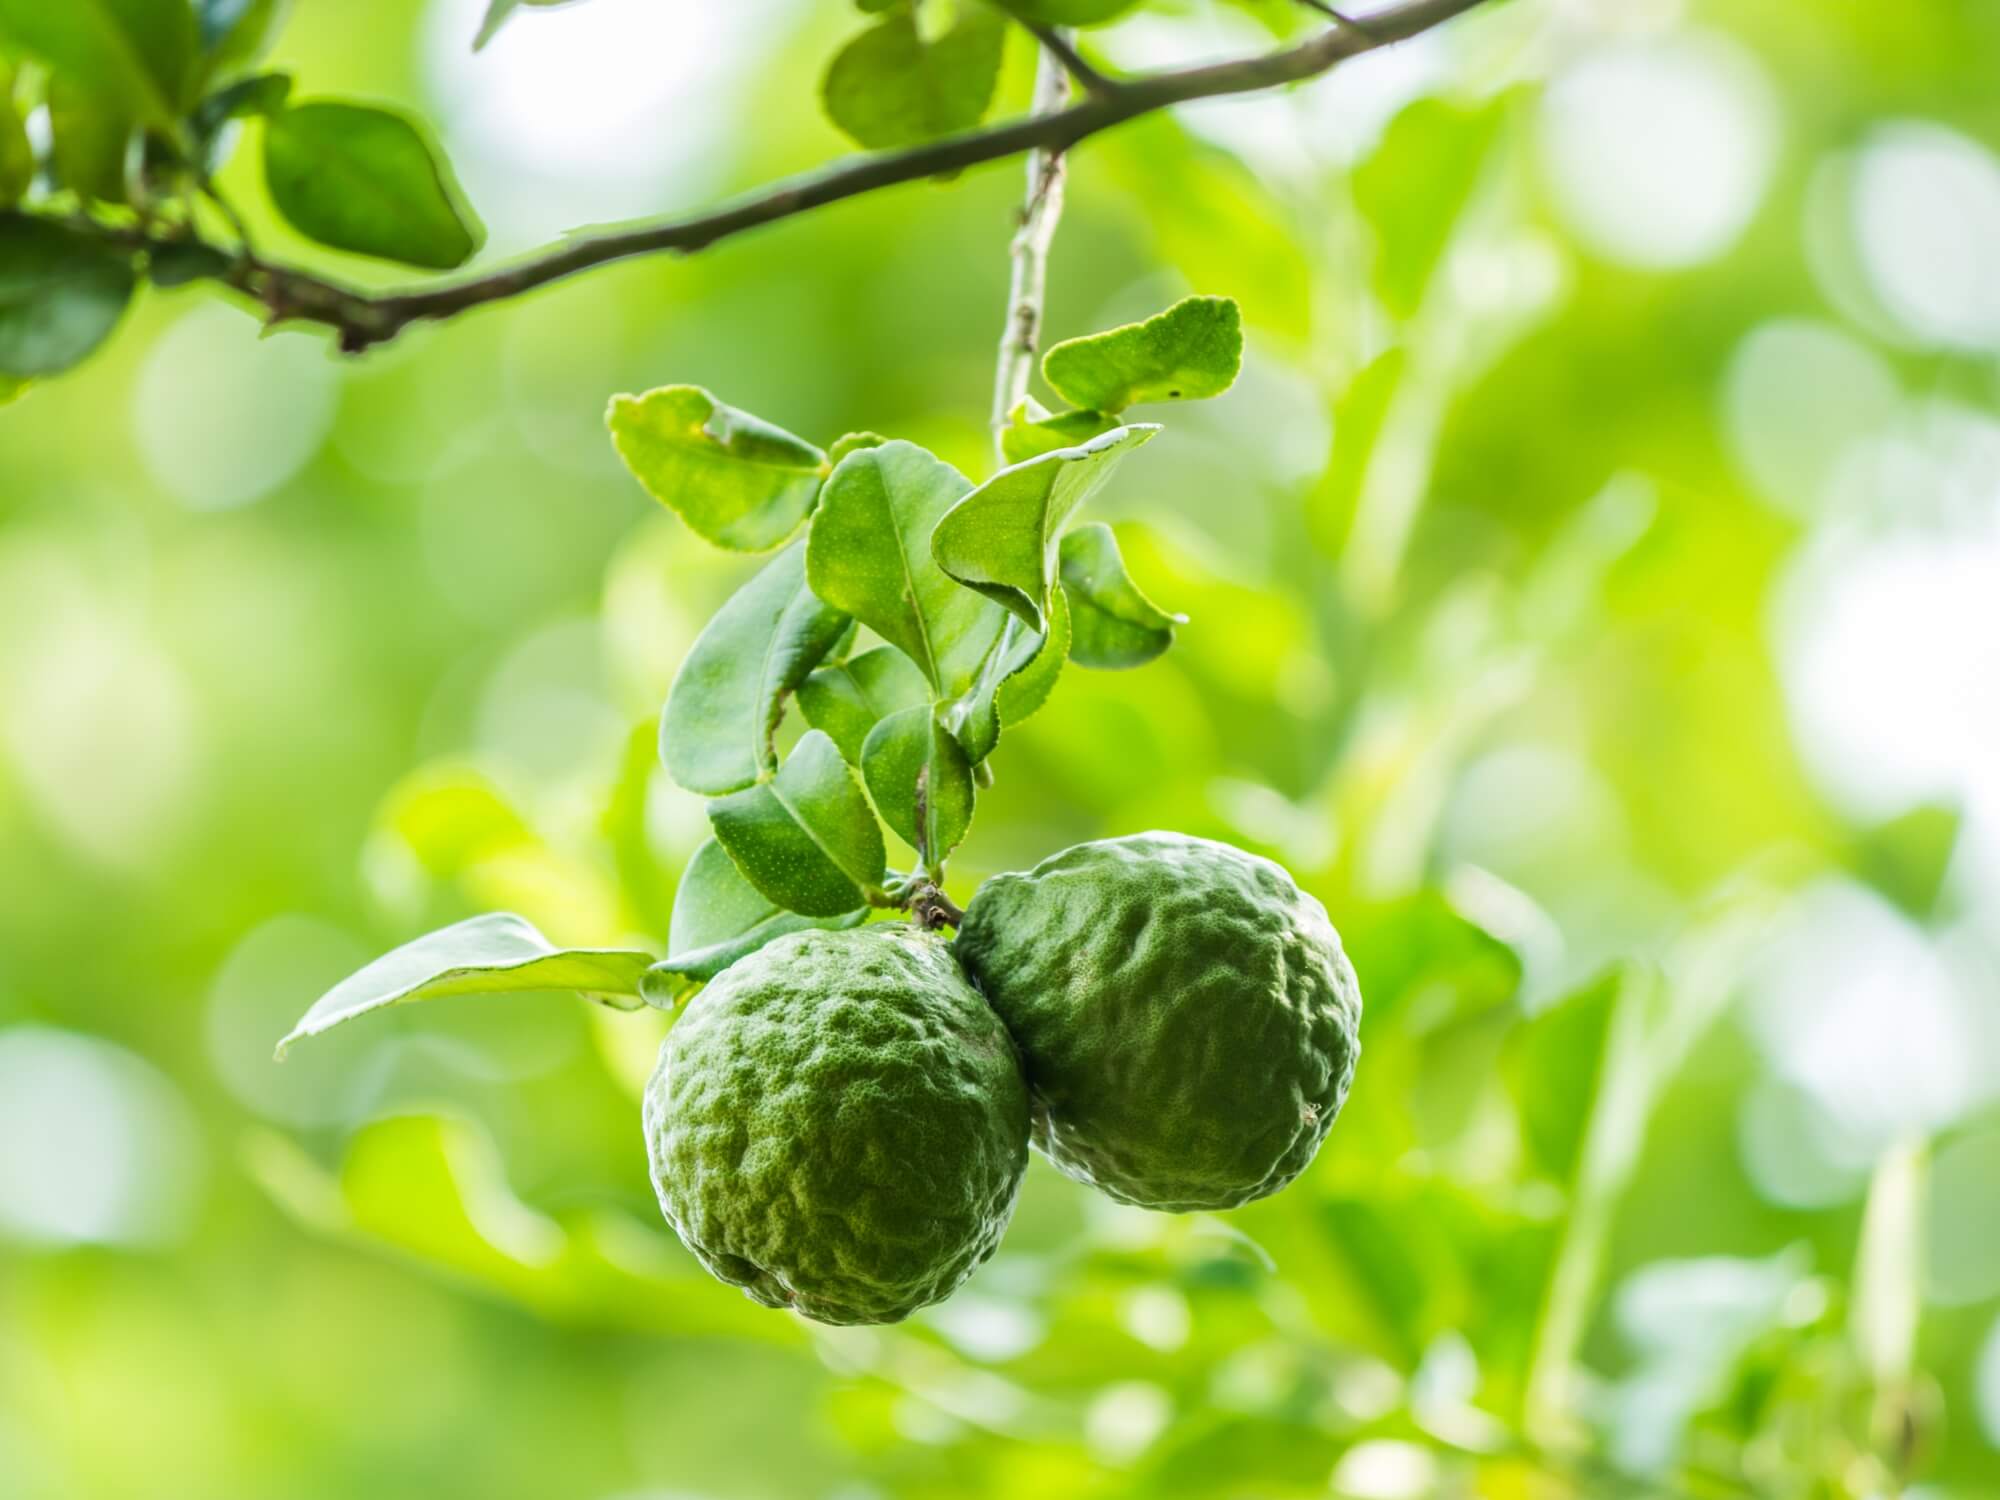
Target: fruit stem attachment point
{"points": [[934, 909]]}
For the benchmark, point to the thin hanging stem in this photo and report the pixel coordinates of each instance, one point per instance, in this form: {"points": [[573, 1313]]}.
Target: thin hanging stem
{"points": [[1041, 211]]}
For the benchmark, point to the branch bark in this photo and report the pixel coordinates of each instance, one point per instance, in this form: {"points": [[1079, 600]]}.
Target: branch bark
{"points": [[363, 319], [1041, 211]]}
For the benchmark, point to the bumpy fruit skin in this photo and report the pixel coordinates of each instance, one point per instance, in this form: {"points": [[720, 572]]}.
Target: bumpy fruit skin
{"points": [[1184, 1011], [838, 1124]]}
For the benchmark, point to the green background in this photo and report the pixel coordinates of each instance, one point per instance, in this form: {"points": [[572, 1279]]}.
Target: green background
{"points": [[1592, 585]]}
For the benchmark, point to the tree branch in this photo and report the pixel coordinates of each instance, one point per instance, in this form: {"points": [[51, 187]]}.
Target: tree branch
{"points": [[1056, 42], [363, 319], [1021, 334]]}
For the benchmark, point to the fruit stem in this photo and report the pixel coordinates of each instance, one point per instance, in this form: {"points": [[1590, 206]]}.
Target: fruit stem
{"points": [[934, 909]]}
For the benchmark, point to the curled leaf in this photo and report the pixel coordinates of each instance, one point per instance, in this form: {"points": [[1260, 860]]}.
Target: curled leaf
{"points": [[1191, 351], [736, 480], [1112, 624], [1001, 539]]}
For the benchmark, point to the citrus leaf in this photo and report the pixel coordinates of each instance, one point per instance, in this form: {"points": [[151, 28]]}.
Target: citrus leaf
{"points": [[1908, 857], [1001, 539], [1358, 418], [1443, 147], [1067, 12], [853, 442], [138, 54], [869, 554], [61, 293], [848, 700], [1032, 431], [88, 140], [366, 180], [485, 955], [895, 86], [1191, 351], [1555, 1065], [735, 480], [1014, 681], [717, 732], [177, 265], [235, 33], [807, 838], [259, 94], [17, 153], [909, 748], [720, 917], [1112, 624], [499, 13]]}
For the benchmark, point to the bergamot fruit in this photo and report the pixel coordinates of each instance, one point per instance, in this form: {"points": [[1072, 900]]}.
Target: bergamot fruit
{"points": [[838, 1124], [1185, 1014]]}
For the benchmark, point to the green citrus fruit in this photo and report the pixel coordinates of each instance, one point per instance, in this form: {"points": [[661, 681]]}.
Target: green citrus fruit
{"points": [[1184, 1012], [838, 1124]]}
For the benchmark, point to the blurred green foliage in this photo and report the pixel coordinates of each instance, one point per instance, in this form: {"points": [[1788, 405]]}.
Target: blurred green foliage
{"points": [[1504, 565]]}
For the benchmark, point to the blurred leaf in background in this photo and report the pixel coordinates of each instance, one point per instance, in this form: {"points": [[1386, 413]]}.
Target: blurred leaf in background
{"points": [[1590, 572]]}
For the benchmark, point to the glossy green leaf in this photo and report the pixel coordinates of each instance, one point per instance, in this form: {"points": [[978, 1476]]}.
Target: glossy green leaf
{"points": [[1555, 1065], [718, 918], [235, 33], [1001, 539], [499, 12], [850, 699], [367, 181], [1112, 624], [896, 85], [853, 442], [177, 265], [910, 750], [136, 54], [1357, 423], [718, 732], [807, 838], [737, 481], [61, 294], [1067, 12], [869, 554], [1443, 147], [485, 955], [90, 138], [1032, 431], [1191, 351], [1908, 857], [1014, 681], [17, 154], [1423, 951], [259, 94]]}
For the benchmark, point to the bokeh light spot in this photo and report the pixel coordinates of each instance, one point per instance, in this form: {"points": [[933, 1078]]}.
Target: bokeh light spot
{"points": [[101, 1149], [1925, 210], [224, 416], [1658, 152]]}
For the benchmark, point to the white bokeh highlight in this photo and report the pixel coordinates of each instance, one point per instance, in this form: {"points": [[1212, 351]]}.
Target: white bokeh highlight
{"points": [[224, 415], [101, 1148], [1658, 151], [1798, 395], [1924, 206], [582, 113]]}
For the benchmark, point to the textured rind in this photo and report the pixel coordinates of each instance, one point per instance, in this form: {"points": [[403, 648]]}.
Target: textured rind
{"points": [[1187, 1018], [838, 1124]]}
